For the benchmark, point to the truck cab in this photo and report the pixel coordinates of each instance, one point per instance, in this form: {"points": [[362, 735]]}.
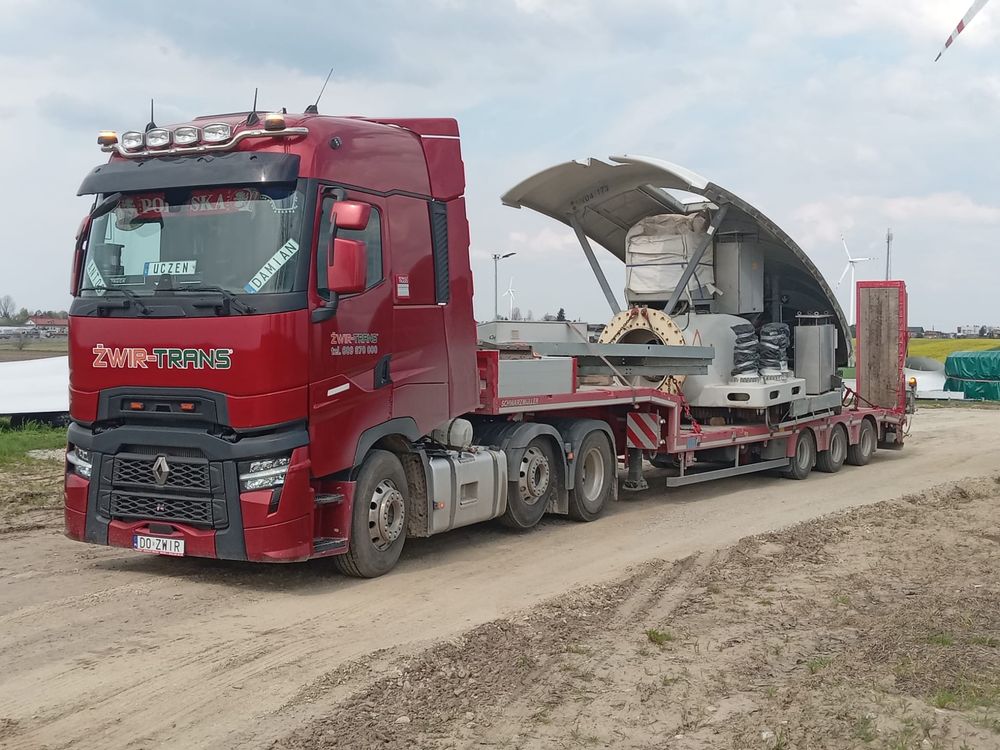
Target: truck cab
{"points": [[259, 302]]}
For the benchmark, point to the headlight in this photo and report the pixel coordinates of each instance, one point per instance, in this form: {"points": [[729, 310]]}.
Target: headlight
{"points": [[263, 473], [80, 460], [217, 132], [185, 136], [158, 138], [132, 140]]}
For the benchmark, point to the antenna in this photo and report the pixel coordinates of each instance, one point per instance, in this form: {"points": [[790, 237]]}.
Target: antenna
{"points": [[313, 109], [888, 253], [252, 118], [151, 123]]}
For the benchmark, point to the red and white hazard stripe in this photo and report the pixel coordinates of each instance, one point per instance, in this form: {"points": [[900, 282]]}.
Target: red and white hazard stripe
{"points": [[966, 19], [642, 430]]}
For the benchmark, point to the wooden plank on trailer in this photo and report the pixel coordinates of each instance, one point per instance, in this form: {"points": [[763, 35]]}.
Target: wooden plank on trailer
{"points": [[878, 344]]}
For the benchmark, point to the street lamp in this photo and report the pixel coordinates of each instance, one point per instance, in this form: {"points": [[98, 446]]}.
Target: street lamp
{"points": [[496, 284]]}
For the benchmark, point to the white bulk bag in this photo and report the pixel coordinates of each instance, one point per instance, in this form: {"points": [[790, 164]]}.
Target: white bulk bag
{"points": [[657, 251]]}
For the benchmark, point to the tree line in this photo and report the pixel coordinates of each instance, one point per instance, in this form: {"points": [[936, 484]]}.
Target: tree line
{"points": [[11, 315]]}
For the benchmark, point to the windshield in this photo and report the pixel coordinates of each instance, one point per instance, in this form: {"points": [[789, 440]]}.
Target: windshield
{"points": [[244, 240]]}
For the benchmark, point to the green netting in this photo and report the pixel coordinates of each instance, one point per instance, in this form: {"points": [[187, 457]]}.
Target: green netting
{"points": [[976, 374]]}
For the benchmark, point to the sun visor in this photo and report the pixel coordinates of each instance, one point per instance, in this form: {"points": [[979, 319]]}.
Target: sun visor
{"points": [[235, 168]]}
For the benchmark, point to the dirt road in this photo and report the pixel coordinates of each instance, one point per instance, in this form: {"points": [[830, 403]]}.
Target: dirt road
{"points": [[106, 649]]}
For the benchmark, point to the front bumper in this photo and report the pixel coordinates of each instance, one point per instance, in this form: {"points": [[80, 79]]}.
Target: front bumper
{"points": [[278, 525]]}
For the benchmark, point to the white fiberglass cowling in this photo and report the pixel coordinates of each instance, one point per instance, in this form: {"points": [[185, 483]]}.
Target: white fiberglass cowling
{"points": [[605, 200]]}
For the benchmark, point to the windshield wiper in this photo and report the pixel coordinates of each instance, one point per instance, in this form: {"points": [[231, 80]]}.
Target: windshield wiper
{"points": [[131, 297], [229, 299]]}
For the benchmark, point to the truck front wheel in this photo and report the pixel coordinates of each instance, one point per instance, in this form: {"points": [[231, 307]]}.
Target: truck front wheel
{"points": [[529, 495], [378, 520]]}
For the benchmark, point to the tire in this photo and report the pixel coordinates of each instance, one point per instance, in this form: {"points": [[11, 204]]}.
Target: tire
{"points": [[378, 518], [529, 495], [861, 452], [594, 471], [832, 459], [805, 457]]}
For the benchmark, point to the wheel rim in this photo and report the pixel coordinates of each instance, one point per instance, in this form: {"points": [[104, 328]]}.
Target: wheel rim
{"points": [[533, 478], [386, 512], [838, 447], [593, 476]]}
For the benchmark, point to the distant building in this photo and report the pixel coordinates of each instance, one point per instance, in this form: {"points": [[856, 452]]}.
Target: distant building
{"points": [[929, 334], [916, 332], [978, 332], [49, 326]]}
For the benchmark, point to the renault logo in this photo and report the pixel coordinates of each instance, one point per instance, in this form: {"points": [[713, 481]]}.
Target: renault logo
{"points": [[161, 470]]}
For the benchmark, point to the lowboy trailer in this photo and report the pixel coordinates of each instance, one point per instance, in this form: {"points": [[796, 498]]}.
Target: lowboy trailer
{"points": [[273, 355]]}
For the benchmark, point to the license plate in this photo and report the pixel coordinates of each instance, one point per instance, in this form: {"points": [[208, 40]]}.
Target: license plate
{"points": [[158, 545]]}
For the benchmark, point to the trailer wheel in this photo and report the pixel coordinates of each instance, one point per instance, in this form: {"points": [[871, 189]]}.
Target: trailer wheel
{"points": [[804, 459], [529, 495], [861, 452], [594, 471], [378, 520], [832, 459]]}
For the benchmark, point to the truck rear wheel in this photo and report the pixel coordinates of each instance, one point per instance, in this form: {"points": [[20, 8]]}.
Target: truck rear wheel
{"points": [[594, 471], [529, 495], [804, 459], [832, 459], [861, 452], [378, 520]]}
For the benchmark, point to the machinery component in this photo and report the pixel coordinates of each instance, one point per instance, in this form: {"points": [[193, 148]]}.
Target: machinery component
{"points": [[466, 487], [773, 349], [641, 325], [815, 352], [746, 358], [739, 273], [516, 331], [455, 433], [536, 376]]}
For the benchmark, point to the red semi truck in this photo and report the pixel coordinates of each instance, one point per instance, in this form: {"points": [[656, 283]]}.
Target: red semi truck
{"points": [[274, 358]]}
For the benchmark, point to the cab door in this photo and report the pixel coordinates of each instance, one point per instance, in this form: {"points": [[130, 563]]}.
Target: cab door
{"points": [[350, 349]]}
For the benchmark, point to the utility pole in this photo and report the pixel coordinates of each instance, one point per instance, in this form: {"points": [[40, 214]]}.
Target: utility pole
{"points": [[497, 257], [888, 254]]}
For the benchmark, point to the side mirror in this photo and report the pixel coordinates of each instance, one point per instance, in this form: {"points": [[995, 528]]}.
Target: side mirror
{"points": [[350, 214], [348, 269]]}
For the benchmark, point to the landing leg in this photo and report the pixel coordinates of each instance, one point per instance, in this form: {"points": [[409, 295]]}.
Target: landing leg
{"points": [[635, 482]]}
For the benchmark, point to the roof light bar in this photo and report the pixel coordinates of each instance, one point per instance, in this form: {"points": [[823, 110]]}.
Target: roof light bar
{"points": [[188, 139]]}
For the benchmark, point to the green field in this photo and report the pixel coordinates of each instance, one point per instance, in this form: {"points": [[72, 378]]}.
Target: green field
{"points": [[16, 442], [939, 349]]}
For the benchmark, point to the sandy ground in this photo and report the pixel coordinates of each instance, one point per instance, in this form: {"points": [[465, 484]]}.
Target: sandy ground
{"points": [[484, 637]]}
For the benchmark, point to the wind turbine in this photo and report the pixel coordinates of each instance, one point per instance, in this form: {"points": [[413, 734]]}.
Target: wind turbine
{"points": [[851, 263], [511, 291], [976, 6]]}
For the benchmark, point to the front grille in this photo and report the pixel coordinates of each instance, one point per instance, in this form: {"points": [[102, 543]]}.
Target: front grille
{"points": [[180, 475], [191, 510]]}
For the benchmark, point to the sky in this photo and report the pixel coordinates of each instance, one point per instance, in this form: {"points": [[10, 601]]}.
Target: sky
{"points": [[831, 118]]}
